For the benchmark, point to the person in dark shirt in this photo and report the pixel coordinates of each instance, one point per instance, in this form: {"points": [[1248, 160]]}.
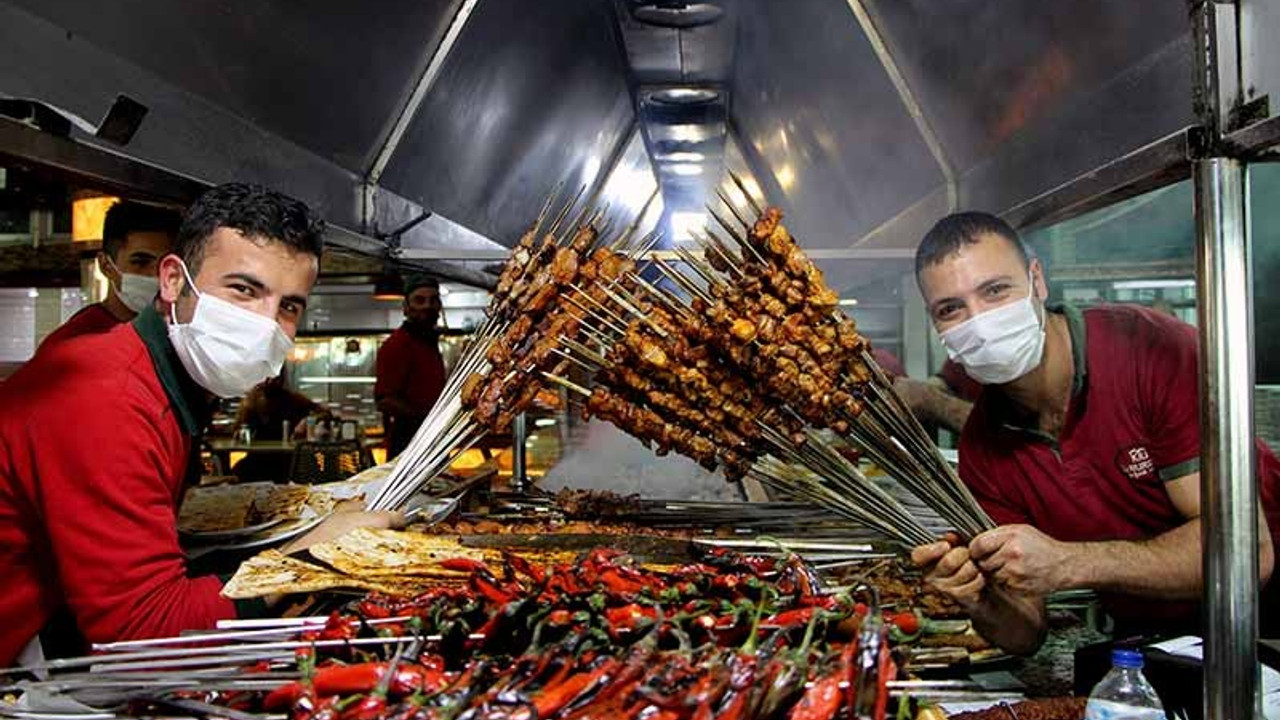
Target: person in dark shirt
{"points": [[410, 369]]}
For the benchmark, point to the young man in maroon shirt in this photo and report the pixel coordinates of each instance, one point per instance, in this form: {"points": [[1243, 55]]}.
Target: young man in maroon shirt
{"points": [[134, 238], [1083, 446], [410, 372], [100, 434]]}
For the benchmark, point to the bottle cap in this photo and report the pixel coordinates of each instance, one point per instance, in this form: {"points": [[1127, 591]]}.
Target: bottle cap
{"points": [[1131, 659]]}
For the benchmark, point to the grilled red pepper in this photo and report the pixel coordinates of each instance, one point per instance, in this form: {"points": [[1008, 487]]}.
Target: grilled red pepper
{"points": [[790, 618], [490, 590], [526, 568], [821, 701], [361, 678], [462, 564], [627, 618]]}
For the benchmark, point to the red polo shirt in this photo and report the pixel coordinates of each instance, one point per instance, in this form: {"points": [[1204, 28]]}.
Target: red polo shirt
{"points": [[90, 320], [95, 439], [410, 368], [1132, 424]]}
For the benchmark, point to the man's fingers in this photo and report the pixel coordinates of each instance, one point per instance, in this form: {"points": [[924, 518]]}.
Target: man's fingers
{"points": [[991, 563], [389, 519], [990, 541], [971, 590], [965, 574], [929, 554], [950, 563]]}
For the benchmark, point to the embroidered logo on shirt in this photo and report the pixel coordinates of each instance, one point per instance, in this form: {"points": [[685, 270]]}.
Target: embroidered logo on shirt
{"points": [[1136, 463]]}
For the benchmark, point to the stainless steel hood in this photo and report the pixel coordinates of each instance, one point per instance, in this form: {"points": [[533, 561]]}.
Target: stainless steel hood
{"points": [[820, 102]]}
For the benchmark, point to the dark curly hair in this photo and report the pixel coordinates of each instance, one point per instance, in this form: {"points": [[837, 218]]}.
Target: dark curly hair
{"points": [[128, 217], [256, 212]]}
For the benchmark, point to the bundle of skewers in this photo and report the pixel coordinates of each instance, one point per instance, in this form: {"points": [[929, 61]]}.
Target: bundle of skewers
{"points": [[733, 636], [498, 373], [736, 357]]}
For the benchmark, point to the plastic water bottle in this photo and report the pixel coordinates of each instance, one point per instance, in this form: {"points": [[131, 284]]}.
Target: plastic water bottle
{"points": [[1124, 694]]}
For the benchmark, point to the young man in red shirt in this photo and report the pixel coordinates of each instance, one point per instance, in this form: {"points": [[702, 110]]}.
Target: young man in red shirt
{"points": [[1083, 446], [410, 369], [100, 434], [134, 238]]}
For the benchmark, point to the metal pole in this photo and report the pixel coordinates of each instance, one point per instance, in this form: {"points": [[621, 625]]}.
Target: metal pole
{"points": [[519, 439], [1228, 484]]}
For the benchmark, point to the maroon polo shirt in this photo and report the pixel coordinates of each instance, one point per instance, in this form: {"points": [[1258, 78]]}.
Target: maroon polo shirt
{"points": [[411, 368], [1132, 425], [958, 381]]}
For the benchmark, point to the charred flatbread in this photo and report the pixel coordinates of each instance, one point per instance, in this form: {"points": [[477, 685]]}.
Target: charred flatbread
{"points": [[273, 572], [366, 551], [279, 502], [216, 509]]}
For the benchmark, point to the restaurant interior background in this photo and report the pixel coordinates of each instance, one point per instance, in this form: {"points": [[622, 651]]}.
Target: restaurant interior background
{"points": [[1139, 251]]}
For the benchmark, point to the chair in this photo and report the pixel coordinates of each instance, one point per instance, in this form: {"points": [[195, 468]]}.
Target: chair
{"points": [[322, 462]]}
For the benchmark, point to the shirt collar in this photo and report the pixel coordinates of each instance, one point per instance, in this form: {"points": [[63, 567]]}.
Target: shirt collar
{"points": [[1011, 417], [189, 400]]}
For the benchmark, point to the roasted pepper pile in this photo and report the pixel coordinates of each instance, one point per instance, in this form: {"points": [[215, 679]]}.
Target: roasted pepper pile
{"points": [[732, 637]]}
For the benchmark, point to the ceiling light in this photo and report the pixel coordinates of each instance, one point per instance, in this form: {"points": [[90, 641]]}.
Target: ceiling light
{"points": [[389, 286], [684, 157], [678, 14], [88, 215], [686, 169], [848, 302], [684, 96], [685, 132]]}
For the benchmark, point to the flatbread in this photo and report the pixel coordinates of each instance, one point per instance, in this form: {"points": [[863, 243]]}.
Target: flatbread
{"points": [[273, 572], [216, 509], [280, 502], [366, 551]]}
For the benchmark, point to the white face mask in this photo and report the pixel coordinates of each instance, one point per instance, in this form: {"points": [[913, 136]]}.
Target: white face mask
{"points": [[135, 291], [225, 348], [1000, 345]]}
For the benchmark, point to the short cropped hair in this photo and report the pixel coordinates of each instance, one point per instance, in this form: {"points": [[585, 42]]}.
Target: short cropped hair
{"points": [[419, 280], [255, 212], [127, 217], [955, 231]]}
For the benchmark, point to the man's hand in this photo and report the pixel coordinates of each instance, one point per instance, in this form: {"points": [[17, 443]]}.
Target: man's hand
{"points": [[914, 393], [346, 517], [949, 570], [932, 404], [1023, 559]]}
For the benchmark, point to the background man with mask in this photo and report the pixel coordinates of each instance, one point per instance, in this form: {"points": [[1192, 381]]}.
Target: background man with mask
{"points": [[1083, 446], [134, 238], [410, 368], [99, 434]]}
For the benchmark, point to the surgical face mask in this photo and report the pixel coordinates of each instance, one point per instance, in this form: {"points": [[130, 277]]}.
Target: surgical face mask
{"points": [[1000, 345], [135, 291], [225, 348]]}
